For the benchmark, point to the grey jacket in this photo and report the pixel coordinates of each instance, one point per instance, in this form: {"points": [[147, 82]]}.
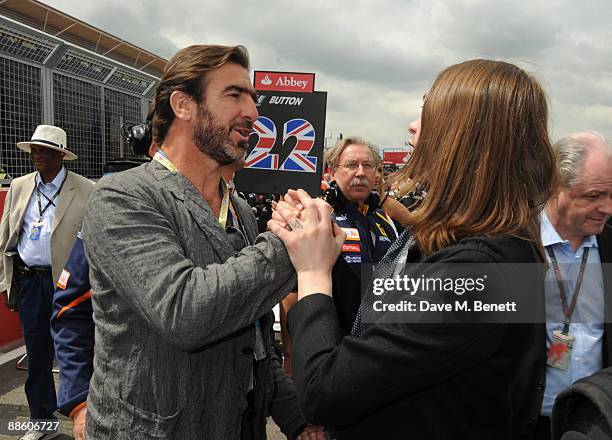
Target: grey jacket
{"points": [[173, 308]]}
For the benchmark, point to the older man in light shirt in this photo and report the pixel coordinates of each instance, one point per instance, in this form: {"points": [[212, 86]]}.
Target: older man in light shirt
{"points": [[577, 240]]}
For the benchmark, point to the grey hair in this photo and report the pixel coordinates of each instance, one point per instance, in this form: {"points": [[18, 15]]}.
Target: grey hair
{"points": [[333, 154], [571, 151]]}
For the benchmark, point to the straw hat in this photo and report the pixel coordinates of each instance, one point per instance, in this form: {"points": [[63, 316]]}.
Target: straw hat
{"points": [[50, 137]]}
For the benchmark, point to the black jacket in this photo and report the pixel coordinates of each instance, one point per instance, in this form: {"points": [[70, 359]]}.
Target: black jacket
{"points": [[585, 407], [274, 394], [424, 381], [376, 234], [604, 242]]}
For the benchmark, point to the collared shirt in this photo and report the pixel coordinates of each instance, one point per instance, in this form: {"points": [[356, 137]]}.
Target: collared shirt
{"points": [[38, 252], [588, 316]]}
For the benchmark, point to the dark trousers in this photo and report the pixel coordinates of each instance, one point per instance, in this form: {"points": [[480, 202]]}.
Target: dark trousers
{"points": [[34, 304], [246, 429], [542, 431]]}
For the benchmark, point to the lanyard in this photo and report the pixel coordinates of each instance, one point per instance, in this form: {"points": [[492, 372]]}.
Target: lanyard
{"points": [[239, 222], [229, 208], [225, 194], [568, 311], [50, 202], [163, 160]]}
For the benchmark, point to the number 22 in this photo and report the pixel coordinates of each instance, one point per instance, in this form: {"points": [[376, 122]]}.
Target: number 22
{"points": [[298, 160]]}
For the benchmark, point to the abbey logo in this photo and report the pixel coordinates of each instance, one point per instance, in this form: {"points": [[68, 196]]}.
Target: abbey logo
{"points": [[284, 81]]}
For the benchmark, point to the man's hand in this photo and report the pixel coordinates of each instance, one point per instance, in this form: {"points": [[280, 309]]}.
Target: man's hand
{"points": [[78, 423], [312, 239], [312, 432]]}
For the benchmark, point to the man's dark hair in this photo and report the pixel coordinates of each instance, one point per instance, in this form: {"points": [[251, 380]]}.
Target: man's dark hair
{"points": [[186, 72]]}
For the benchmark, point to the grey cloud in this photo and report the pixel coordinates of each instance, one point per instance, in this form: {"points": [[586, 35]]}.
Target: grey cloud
{"points": [[302, 36], [376, 58], [570, 118], [320, 40], [137, 24], [496, 29], [572, 87]]}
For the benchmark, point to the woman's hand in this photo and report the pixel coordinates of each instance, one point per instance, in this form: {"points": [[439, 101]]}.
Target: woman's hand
{"points": [[313, 241]]}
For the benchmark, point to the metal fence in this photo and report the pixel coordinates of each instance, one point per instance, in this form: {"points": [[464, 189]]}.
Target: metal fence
{"points": [[45, 80], [20, 112]]}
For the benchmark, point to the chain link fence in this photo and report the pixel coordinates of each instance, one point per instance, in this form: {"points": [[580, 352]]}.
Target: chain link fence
{"points": [[44, 80]]}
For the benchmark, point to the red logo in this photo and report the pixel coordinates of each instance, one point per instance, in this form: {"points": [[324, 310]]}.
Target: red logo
{"points": [[351, 247], [63, 279], [556, 351], [285, 81]]}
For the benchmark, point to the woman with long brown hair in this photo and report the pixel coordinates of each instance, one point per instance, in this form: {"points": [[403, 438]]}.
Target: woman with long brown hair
{"points": [[483, 156]]}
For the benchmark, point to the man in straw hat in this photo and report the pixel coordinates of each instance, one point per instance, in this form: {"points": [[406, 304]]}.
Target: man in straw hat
{"points": [[43, 212]]}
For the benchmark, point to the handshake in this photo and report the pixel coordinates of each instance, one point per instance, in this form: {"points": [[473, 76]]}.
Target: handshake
{"points": [[312, 239]]}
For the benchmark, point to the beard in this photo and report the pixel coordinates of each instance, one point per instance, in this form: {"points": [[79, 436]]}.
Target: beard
{"points": [[214, 140]]}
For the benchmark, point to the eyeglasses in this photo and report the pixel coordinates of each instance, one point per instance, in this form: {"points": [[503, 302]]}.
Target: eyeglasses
{"points": [[353, 166]]}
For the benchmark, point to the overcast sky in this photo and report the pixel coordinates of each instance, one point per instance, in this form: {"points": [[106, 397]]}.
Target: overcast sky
{"points": [[376, 58]]}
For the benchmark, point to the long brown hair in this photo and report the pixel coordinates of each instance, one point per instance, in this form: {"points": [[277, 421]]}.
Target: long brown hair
{"points": [[483, 155]]}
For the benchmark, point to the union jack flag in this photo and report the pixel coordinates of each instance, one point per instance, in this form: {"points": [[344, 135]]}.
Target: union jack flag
{"points": [[260, 158], [305, 135]]}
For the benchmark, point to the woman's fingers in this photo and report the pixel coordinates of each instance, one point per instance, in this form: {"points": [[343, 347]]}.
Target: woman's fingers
{"points": [[284, 211], [309, 212], [276, 216], [313, 241], [293, 201], [339, 234], [324, 212], [339, 238]]}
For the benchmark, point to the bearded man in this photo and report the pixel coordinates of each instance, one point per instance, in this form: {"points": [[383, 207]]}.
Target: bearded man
{"points": [[181, 284]]}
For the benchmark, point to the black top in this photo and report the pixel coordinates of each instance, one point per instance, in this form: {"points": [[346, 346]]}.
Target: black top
{"points": [[604, 242], [424, 381], [376, 235]]}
